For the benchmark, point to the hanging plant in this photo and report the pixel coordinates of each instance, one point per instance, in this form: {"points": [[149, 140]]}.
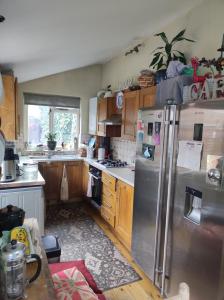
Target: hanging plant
{"points": [[164, 54]]}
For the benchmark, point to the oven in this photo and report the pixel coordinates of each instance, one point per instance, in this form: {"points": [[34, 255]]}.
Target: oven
{"points": [[96, 199]]}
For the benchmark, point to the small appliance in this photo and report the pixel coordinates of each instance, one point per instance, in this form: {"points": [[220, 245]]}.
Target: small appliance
{"points": [[13, 270], [8, 165]]}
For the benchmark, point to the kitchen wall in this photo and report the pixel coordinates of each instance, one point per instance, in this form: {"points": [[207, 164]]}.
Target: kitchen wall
{"points": [[124, 150], [83, 83], [204, 24]]}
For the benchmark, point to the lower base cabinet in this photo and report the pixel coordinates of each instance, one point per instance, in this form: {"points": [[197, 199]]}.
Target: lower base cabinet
{"points": [[52, 173], [30, 199], [117, 207], [124, 212], [85, 178]]}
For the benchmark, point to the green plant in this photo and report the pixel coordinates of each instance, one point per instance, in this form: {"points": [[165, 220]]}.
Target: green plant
{"points": [[51, 137], [162, 58]]}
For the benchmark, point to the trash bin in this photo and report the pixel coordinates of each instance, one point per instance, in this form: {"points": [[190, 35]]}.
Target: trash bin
{"points": [[52, 248]]}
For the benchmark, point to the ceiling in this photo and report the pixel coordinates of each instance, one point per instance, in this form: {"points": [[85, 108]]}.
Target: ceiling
{"points": [[44, 37]]}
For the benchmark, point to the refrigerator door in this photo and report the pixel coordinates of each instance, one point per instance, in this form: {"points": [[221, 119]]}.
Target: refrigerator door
{"points": [[196, 234], [151, 141]]}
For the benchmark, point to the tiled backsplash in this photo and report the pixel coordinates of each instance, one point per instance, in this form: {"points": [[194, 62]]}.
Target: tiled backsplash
{"points": [[124, 150]]}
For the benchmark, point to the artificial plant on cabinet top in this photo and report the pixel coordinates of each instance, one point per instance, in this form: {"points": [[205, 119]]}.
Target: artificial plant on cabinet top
{"points": [[162, 55]]}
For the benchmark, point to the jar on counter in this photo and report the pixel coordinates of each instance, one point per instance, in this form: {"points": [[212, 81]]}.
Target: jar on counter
{"points": [[30, 170]]}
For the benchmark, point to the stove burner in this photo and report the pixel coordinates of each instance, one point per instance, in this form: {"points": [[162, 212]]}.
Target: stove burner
{"points": [[108, 163]]}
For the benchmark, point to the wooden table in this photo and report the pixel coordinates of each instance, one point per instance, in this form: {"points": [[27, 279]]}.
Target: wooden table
{"points": [[42, 288]]}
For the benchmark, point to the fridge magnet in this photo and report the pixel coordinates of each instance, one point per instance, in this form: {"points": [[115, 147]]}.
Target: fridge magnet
{"points": [[140, 136], [156, 136], [140, 125]]}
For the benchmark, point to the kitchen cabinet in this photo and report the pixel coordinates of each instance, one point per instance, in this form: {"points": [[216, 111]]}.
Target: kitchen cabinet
{"points": [[108, 207], [85, 177], [147, 97], [8, 108], [52, 174], [130, 115], [106, 109], [74, 175], [124, 212], [31, 200], [93, 116]]}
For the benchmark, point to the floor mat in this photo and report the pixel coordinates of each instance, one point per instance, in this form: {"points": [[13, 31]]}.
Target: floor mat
{"points": [[82, 238]]}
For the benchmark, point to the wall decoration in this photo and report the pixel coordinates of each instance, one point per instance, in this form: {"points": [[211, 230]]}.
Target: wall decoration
{"points": [[119, 100]]}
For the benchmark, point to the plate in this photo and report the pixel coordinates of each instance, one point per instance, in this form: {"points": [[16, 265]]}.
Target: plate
{"points": [[119, 100]]}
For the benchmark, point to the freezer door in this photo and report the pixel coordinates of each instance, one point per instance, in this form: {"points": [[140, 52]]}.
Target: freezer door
{"points": [[196, 232], [147, 191]]}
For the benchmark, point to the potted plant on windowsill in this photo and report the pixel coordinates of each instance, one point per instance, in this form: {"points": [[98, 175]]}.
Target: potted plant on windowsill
{"points": [[51, 142], [163, 55]]}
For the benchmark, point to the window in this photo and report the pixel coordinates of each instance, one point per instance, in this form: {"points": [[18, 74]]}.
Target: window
{"points": [[60, 120]]}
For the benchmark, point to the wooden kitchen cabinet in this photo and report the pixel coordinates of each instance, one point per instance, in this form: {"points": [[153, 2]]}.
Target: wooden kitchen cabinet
{"points": [[8, 108], [74, 175], [147, 97], [106, 109], [108, 207], [85, 177], [124, 212], [130, 115], [52, 174]]}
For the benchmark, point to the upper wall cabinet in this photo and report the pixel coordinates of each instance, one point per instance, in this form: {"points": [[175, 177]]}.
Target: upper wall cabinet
{"points": [[147, 97], [8, 108], [130, 115], [93, 116], [107, 110]]}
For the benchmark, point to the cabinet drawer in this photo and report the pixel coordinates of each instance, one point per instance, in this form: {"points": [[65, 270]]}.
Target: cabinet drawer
{"points": [[109, 203], [109, 181], [107, 215]]}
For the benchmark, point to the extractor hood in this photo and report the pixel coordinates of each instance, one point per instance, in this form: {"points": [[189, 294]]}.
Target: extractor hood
{"points": [[112, 120]]}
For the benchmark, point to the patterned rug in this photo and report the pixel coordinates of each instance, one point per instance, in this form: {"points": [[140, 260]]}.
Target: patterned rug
{"points": [[82, 238]]}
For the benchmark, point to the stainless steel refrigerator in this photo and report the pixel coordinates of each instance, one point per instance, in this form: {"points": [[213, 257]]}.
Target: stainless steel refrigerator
{"points": [[178, 224]]}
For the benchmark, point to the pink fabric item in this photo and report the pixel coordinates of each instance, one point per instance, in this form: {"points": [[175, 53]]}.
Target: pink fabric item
{"points": [[80, 264], [70, 284]]}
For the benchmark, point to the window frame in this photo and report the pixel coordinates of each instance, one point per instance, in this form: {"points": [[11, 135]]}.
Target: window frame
{"points": [[52, 110]]}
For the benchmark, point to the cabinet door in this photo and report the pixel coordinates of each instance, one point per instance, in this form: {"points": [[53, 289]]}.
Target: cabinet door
{"points": [[102, 115], [124, 212], [147, 97], [31, 200], [74, 175], [93, 116], [8, 109], [52, 173], [130, 115], [85, 178]]}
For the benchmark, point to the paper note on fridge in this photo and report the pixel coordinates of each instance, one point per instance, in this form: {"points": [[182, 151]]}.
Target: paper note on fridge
{"points": [[189, 155]]}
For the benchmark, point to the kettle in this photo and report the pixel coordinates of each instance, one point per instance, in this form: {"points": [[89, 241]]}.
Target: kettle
{"points": [[13, 270]]}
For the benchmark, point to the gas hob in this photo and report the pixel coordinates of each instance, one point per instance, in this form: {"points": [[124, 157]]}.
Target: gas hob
{"points": [[108, 163]]}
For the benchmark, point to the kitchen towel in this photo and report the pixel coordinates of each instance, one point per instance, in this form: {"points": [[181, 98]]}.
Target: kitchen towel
{"points": [[64, 186], [89, 186]]}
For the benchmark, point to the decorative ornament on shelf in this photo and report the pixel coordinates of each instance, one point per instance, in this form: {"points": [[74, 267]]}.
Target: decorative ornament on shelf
{"points": [[162, 55]]}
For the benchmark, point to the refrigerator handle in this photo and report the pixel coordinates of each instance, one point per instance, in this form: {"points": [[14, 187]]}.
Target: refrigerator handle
{"points": [[165, 132], [169, 193]]}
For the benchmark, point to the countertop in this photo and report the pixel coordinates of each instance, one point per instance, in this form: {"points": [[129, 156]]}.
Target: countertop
{"points": [[22, 181], [125, 174]]}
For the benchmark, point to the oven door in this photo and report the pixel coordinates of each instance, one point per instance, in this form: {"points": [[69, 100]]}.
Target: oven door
{"points": [[97, 190]]}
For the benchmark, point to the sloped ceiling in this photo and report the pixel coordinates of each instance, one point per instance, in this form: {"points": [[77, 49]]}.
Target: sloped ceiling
{"points": [[44, 37]]}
